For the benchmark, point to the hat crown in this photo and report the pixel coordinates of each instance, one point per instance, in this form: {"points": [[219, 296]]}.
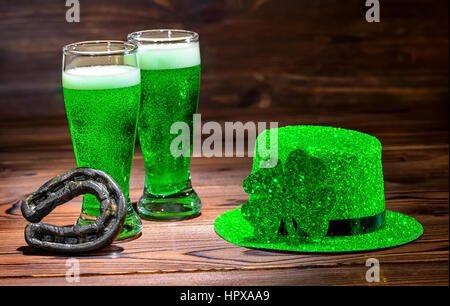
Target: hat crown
{"points": [[350, 161]]}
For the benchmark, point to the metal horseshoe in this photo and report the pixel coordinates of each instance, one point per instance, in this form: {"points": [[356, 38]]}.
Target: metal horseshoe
{"points": [[75, 238]]}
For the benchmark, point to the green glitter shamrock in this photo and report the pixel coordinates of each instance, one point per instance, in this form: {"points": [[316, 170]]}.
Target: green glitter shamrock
{"points": [[290, 202]]}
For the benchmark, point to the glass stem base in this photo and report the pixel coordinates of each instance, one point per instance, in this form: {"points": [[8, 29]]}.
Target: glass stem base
{"points": [[182, 205], [131, 229]]}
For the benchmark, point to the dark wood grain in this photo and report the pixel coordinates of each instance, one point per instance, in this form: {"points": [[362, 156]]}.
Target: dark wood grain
{"points": [[392, 274], [255, 54]]}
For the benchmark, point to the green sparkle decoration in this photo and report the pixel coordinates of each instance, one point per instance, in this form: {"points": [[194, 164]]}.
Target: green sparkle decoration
{"points": [[288, 199], [320, 197], [350, 160]]}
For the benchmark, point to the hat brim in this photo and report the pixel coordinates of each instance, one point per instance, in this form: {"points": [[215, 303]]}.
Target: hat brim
{"points": [[397, 230]]}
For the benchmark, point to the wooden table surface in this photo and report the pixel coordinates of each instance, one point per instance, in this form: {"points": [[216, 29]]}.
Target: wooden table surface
{"points": [[415, 161]]}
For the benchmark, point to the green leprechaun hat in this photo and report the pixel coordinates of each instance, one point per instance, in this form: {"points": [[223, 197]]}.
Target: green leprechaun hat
{"points": [[325, 194]]}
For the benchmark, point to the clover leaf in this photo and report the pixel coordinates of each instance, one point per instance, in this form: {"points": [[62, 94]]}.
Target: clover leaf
{"points": [[291, 199]]}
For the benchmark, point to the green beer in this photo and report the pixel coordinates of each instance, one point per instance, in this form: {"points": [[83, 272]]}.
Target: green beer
{"points": [[170, 95], [170, 80], [102, 105]]}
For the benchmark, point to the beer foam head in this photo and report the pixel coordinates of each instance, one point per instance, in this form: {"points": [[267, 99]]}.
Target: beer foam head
{"points": [[101, 77], [168, 56]]}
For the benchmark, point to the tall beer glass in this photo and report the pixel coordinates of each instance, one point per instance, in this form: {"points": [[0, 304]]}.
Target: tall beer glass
{"points": [[101, 85], [170, 74]]}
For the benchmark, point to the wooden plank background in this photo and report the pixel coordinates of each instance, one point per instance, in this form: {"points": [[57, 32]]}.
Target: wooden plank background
{"points": [[255, 53], [295, 62]]}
